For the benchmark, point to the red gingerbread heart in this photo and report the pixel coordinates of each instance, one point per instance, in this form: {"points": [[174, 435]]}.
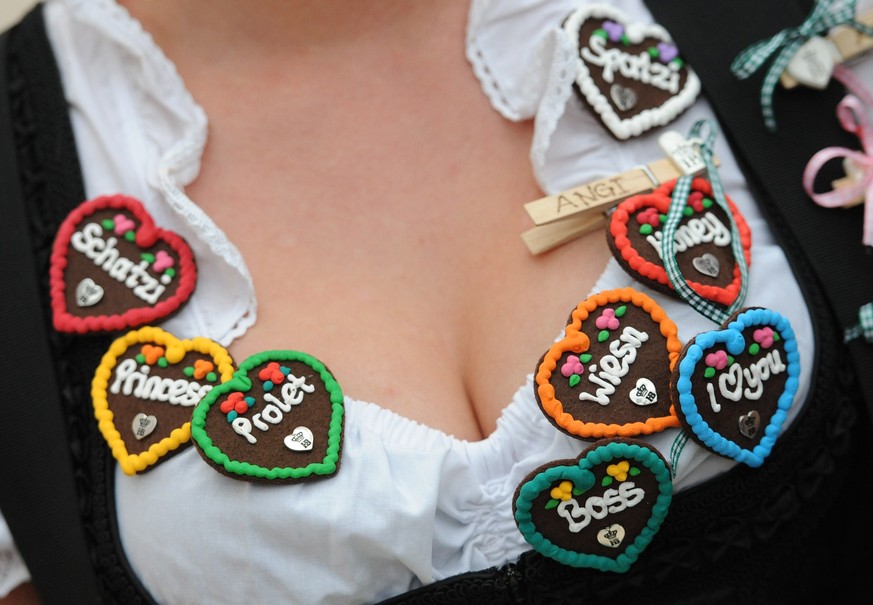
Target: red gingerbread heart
{"points": [[610, 374], [112, 268], [703, 239]]}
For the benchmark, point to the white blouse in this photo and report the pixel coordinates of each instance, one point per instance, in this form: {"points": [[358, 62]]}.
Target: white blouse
{"points": [[411, 504]]}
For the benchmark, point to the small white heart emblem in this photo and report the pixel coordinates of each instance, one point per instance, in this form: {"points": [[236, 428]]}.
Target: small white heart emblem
{"points": [[813, 63], [624, 98], [611, 536], [645, 392], [143, 425], [88, 293], [706, 264], [749, 424], [300, 440]]}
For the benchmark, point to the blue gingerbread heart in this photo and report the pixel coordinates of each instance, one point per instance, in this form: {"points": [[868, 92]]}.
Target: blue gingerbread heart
{"points": [[734, 386], [599, 511]]}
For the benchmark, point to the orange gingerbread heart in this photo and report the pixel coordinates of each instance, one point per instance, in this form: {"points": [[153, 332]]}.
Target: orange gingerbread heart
{"points": [[610, 374]]}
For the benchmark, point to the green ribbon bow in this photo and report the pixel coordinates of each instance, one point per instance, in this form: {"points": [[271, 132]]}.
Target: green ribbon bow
{"points": [[824, 15], [704, 132]]}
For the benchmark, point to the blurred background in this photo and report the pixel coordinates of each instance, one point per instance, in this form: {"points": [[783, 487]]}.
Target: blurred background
{"points": [[12, 10]]}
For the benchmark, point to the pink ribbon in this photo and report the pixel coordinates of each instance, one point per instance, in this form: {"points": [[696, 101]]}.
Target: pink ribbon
{"points": [[853, 118]]}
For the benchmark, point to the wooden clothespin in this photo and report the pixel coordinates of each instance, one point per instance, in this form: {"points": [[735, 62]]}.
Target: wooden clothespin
{"points": [[565, 216], [813, 63]]}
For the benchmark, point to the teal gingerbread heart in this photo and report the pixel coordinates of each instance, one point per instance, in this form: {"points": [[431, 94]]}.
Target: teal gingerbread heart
{"points": [[280, 418], [601, 510], [733, 387]]}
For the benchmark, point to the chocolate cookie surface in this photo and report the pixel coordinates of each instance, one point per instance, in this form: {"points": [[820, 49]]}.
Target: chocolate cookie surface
{"points": [[629, 74], [145, 389], [733, 387], [280, 418], [610, 374], [113, 269], [601, 510], [703, 242]]}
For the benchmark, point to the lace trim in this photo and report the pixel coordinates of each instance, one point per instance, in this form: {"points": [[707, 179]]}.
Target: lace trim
{"points": [[558, 53], [488, 79], [181, 162]]}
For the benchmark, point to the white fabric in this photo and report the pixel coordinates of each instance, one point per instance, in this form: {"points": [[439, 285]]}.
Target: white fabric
{"points": [[410, 504]]}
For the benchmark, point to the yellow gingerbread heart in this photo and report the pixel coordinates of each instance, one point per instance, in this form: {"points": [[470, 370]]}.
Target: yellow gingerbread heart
{"points": [[145, 389]]}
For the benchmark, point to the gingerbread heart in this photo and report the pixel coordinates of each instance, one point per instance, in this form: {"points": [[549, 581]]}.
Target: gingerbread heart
{"points": [[145, 389], [280, 418], [610, 374], [599, 511], [629, 74], [703, 241], [113, 269], [733, 387]]}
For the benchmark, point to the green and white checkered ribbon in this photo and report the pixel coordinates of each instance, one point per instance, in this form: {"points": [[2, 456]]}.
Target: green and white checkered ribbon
{"points": [[678, 202], [824, 15], [865, 325]]}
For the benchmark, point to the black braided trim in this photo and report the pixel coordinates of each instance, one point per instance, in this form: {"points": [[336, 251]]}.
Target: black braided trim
{"points": [[52, 183]]}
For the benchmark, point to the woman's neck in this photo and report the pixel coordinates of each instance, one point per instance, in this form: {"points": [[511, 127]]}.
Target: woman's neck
{"points": [[221, 29]]}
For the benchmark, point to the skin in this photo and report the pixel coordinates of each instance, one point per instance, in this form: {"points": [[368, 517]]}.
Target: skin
{"points": [[376, 197]]}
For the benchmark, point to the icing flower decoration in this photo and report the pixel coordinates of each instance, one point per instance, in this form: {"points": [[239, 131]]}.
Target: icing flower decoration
{"points": [[123, 224], [202, 367], [667, 52], [563, 491], [649, 216], [236, 404], [695, 200], [615, 31], [764, 336], [764, 339], [151, 354], [717, 360], [272, 372], [572, 366], [619, 472], [607, 320], [162, 261]]}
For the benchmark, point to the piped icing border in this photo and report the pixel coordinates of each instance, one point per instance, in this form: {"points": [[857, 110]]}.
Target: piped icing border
{"points": [[599, 511], [649, 210], [148, 276], [626, 347], [157, 348], [631, 33], [229, 437], [735, 363]]}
